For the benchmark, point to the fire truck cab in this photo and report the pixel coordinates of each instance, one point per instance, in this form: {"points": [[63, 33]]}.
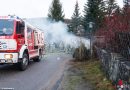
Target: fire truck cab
{"points": [[19, 42]]}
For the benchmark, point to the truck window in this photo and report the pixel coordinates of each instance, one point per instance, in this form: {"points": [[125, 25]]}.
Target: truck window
{"points": [[20, 28], [29, 32], [6, 27]]}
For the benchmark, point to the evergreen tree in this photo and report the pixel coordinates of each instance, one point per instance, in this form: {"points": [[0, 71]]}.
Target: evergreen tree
{"points": [[118, 10], [75, 19], [126, 2], [93, 12], [55, 11], [111, 5]]}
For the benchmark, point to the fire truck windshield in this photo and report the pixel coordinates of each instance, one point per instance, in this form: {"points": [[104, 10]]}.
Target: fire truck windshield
{"points": [[6, 27]]}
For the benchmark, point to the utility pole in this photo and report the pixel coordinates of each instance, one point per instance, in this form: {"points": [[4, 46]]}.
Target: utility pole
{"points": [[91, 46]]}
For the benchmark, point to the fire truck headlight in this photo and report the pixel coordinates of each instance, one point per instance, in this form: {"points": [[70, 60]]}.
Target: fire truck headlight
{"points": [[8, 56]]}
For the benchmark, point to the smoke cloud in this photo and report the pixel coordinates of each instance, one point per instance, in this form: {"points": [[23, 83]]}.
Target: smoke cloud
{"points": [[57, 35]]}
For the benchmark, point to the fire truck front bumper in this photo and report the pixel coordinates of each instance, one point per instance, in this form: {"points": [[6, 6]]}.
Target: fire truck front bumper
{"points": [[8, 57]]}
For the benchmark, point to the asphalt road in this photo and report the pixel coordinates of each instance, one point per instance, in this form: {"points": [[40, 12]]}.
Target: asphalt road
{"points": [[43, 75]]}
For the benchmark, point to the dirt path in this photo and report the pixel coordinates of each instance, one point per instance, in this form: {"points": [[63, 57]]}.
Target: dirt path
{"points": [[73, 79]]}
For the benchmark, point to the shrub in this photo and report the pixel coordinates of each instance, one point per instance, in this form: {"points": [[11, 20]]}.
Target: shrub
{"points": [[81, 53]]}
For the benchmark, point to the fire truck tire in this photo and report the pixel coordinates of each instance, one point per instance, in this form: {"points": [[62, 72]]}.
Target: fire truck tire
{"points": [[38, 59], [24, 63]]}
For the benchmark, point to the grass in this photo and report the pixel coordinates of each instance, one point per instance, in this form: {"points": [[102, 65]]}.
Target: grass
{"points": [[93, 73], [73, 81], [86, 72]]}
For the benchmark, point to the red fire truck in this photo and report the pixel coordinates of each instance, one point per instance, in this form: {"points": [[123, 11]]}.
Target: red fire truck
{"points": [[20, 42]]}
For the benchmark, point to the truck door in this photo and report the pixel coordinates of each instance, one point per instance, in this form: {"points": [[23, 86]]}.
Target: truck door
{"points": [[20, 27]]}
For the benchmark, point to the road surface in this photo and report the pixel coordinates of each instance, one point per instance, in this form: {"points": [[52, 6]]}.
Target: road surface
{"points": [[43, 75]]}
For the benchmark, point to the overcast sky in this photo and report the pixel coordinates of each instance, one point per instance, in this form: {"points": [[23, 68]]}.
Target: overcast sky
{"points": [[38, 8]]}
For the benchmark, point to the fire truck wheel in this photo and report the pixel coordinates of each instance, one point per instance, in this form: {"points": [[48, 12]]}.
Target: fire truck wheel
{"points": [[24, 63]]}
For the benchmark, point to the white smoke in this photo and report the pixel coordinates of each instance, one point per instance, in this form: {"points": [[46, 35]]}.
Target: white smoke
{"points": [[57, 35]]}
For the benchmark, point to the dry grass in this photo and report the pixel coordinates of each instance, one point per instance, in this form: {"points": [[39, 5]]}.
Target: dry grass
{"points": [[86, 73], [93, 73]]}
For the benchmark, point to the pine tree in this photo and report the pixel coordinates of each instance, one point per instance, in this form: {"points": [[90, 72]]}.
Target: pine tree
{"points": [[75, 19], [93, 12], [55, 11], [126, 2], [118, 10], [111, 5]]}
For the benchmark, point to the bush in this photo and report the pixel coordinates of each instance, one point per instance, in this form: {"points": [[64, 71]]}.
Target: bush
{"points": [[81, 53]]}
